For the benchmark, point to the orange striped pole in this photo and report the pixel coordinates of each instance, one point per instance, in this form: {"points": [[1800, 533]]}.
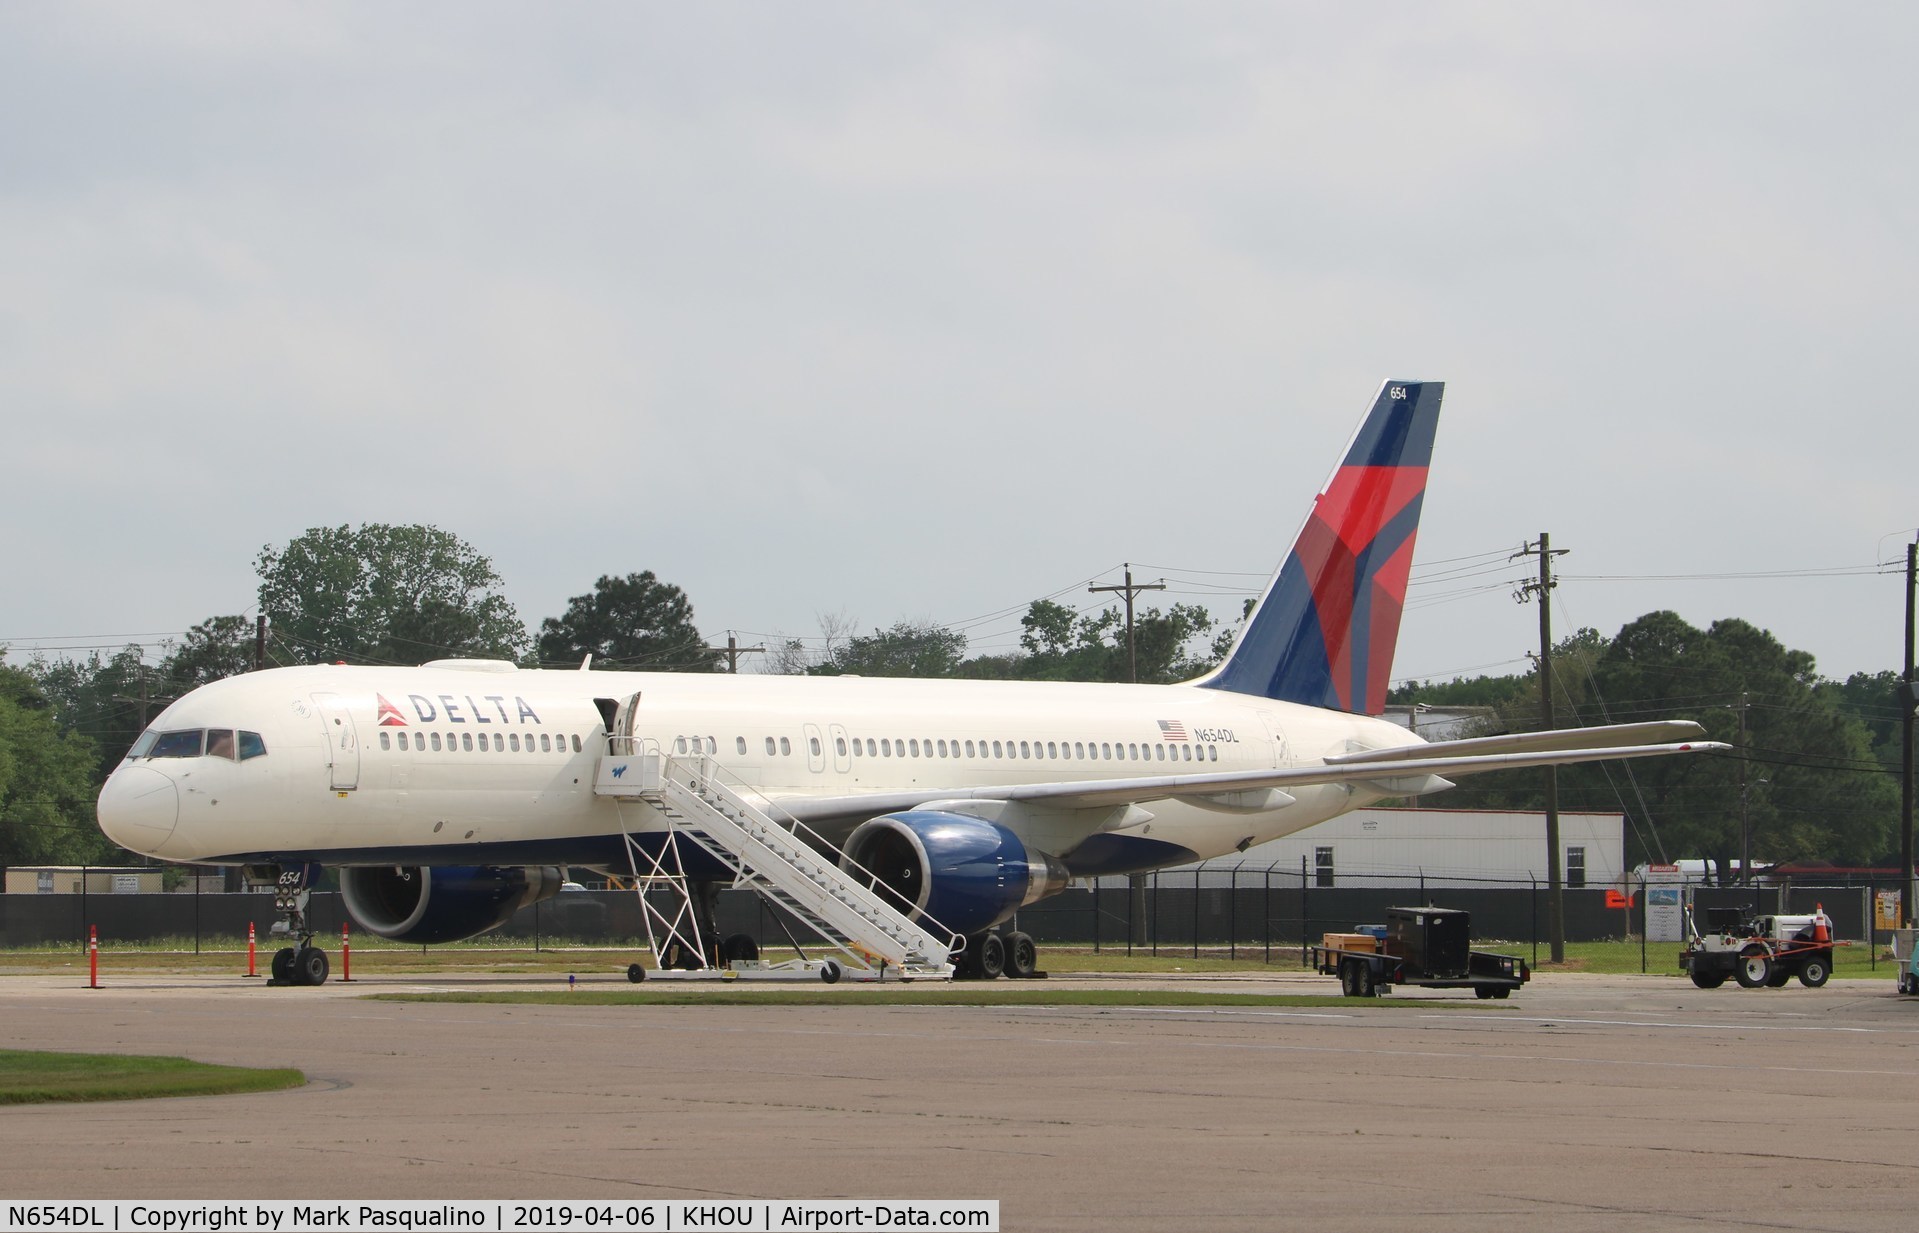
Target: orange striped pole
{"points": [[250, 968], [346, 954], [93, 956]]}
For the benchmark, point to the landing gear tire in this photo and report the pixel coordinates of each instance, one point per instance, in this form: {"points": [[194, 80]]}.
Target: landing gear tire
{"points": [[1755, 968], [1708, 980], [282, 966], [992, 956], [1022, 956], [635, 973], [1815, 972], [310, 966], [830, 972]]}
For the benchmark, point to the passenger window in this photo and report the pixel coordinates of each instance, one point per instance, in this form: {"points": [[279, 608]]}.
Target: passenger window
{"points": [[786, 747], [969, 749], [813, 743], [839, 746], [1079, 750], [1212, 753], [513, 742], [546, 743], [1161, 751], [1132, 752], [436, 742], [916, 747], [712, 746], [886, 747], [466, 741], [942, 748], [1025, 750], [1052, 750], [740, 742], [769, 747], [179, 744], [386, 740], [996, 747]]}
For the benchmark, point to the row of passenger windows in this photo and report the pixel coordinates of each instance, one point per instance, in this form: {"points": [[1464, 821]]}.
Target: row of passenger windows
{"points": [[913, 747], [508, 742]]}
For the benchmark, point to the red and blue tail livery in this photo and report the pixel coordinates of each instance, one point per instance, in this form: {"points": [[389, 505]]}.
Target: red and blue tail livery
{"points": [[1323, 634]]}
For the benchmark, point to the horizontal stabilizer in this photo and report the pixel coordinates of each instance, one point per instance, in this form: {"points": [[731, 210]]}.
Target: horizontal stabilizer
{"points": [[1614, 735]]}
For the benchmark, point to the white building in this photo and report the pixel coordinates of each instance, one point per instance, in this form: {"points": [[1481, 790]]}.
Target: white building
{"points": [[1451, 847]]}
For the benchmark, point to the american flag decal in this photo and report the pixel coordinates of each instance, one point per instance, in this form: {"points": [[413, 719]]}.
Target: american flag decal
{"points": [[1172, 729]]}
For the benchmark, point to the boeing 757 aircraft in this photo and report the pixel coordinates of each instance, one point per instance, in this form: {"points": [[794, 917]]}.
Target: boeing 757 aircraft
{"points": [[452, 794]]}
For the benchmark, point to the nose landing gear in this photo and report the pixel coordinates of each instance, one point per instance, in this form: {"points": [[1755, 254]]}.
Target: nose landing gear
{"points": [[303, 963]]}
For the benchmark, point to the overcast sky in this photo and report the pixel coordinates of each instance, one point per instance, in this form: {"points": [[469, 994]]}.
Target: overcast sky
{"points": [[925, 311]]}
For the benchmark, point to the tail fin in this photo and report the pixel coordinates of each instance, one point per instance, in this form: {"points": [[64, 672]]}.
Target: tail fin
{"points": [[1323, 633]]}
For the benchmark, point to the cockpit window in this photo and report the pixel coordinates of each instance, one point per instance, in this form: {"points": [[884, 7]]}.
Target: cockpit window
{"points": [[144, 744], [251, 746], [219, 742], [179, 744]]}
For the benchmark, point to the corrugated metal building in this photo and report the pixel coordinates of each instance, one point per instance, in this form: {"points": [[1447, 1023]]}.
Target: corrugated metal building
{"points": [[1455, 847]]}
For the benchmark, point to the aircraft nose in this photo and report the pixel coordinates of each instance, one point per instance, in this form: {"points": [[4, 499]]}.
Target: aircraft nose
{"points": [[139, 808]]}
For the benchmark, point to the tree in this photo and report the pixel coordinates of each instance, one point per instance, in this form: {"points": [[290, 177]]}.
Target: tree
{"points": [[216, 648], [635, 622], [46, 782], [1810, 790], [910, 648], [1062, 645], [108, 701], [386, 594]]}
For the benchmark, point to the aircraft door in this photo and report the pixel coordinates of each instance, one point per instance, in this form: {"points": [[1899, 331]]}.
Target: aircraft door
{"points": [[343, 742], [842, 761], [815, 749], [621, 728]]}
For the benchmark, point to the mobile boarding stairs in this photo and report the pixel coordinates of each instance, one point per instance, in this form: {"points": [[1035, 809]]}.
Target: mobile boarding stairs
{"points": [[864, 936]]}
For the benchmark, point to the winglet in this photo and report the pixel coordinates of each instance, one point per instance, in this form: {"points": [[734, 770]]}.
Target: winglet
{"points": [[1324, 632]]}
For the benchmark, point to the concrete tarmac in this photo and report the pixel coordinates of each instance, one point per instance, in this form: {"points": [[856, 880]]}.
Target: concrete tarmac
{"points": [[1583, 1103]]}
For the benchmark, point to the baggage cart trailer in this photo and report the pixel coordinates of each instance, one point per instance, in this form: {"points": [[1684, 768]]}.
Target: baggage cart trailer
{"points": [[1430, 948]]}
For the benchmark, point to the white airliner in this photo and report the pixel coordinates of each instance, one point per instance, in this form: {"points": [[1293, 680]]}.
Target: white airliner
{"points": [[454, 793]]}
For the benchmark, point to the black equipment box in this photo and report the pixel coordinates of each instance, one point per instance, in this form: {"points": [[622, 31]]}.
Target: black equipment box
{"points": [[1437, 941]]}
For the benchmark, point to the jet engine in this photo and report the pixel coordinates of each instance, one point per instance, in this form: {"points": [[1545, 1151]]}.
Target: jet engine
{"points": [[966, 873], [443, 903]]}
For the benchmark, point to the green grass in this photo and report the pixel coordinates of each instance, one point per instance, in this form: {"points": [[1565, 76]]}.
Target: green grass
{"points": [[374, 957], [33, 1078], [919, 994]]}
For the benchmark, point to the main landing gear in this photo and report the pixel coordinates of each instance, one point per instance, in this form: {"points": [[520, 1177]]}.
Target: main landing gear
{"points": [[303, 963], [989, 955]]}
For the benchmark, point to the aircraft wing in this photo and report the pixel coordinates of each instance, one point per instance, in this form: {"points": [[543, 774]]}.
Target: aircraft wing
{"points": [[1407, 772]]}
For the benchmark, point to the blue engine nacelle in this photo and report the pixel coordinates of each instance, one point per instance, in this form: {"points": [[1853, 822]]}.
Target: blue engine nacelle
{"points": [[963, 872], [442, 903]]}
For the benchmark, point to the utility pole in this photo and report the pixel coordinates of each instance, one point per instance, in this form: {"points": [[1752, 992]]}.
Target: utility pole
{"points": [[1909, 699], [1542, 590], [260, 642], [1131, 589], [733, 650], [1745, 813]]}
